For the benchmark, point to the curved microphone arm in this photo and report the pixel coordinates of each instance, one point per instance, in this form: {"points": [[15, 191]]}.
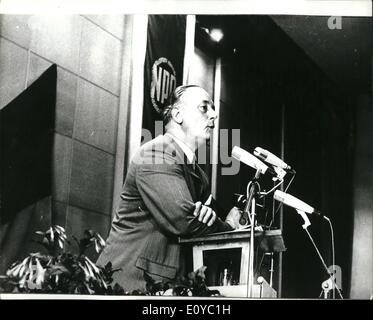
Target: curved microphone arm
{"points": [[307, 222]]}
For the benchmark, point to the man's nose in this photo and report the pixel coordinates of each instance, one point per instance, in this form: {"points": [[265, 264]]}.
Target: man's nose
{"points": [[212, 114]]}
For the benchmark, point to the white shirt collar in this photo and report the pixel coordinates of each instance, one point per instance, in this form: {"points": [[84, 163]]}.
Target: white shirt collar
{"points": [[188, 151]]}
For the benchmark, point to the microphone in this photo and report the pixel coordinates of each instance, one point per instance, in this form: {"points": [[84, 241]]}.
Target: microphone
{"points": [[294, 202], [248, 159], [270, 158]]}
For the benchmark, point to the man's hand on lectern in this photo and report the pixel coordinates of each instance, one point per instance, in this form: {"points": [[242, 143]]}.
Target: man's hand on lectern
{"points": [[204, 212], [233, 218]]}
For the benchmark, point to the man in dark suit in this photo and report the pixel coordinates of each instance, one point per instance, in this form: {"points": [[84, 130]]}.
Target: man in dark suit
{"points": [[165, 196]]}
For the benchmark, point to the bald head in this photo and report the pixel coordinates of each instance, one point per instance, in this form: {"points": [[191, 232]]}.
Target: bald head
{"points": [[174, 100], [191, 112]]}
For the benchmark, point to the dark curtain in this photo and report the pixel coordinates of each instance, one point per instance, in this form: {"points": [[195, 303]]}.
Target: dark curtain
{"points": [[294, 75], [319, 141], [26, 144], [319, 126]]}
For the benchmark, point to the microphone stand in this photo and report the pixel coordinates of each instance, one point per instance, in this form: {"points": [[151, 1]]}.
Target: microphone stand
{"points": [[306, 224], [251, 201]]}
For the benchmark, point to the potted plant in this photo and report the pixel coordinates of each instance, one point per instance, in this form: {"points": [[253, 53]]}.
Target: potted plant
{"points": [[56, 271]]}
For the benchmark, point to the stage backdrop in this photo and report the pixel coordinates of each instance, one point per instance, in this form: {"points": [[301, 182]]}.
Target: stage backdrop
{"points": [[163, 69]]}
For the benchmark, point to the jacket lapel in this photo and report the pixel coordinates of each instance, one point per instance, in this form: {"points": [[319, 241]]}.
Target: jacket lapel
{"points": [[203, 183], [194, 172], [199, 182], [189, 174], [189, 178]]}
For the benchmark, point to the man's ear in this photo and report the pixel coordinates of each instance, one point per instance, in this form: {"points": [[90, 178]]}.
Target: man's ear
{"points": [[176, 115]]}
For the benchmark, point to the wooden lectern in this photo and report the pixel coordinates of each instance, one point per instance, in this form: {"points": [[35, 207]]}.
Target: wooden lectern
{"points": [[226, 256]]}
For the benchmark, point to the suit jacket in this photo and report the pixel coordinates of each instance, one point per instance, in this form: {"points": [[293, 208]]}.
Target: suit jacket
{"points": [[156, 207]]}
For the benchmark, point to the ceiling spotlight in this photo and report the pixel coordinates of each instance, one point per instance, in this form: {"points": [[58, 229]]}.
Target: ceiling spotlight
{"points": [[216, 34]]}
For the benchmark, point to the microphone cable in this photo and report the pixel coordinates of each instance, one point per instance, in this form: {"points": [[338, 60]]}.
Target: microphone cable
{"points": [[258, 267], [280, 205], [333, 254]]}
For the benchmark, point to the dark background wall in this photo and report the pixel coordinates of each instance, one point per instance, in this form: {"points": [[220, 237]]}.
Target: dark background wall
{"points": [[315, 76]]}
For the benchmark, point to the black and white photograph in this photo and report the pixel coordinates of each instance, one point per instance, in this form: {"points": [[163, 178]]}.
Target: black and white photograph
{"points": [[186, 150]]}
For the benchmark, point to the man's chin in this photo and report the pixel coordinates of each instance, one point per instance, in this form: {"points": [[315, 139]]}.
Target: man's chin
{"points": [[204, 141]]}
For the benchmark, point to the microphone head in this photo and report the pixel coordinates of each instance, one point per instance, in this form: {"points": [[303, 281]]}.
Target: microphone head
{"points": [[270, 158], [292, 201], [258, 151], [248, 159]]}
